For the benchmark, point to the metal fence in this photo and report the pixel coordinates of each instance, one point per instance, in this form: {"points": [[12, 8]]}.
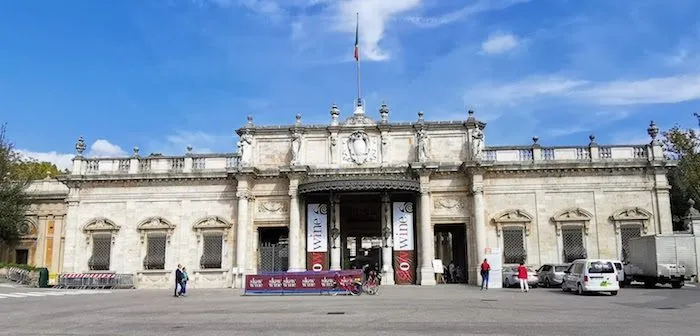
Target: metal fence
{"points": [[273, 257], [19, 275]]}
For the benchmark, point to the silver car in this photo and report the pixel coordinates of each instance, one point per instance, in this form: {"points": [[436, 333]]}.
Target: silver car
{"points": [[552, 274]]}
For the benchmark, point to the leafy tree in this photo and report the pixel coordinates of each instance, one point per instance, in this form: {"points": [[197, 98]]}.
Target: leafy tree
{"points": [[683, 145], [30, 169], [13, 199]]}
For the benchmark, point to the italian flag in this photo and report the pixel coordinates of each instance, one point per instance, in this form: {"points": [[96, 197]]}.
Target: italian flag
{"points": [[357, 40]]}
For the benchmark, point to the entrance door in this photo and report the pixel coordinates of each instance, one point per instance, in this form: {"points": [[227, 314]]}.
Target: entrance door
{"points": [[21, 256], [451, 248], [360, 226], [273, 251]]}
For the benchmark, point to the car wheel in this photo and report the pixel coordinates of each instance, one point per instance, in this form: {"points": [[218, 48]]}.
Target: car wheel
{"points": [[564, 288], [546, 283], [506, 283], [613, 293], [579, 289]]}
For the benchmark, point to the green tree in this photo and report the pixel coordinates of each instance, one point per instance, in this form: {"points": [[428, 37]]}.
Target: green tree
{"points": [[683, 145], [30, 169], [13, 199]]}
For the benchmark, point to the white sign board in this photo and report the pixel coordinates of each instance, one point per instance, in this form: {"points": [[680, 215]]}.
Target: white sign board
{"points": [[495, 259], [317, 228], [437, 266], [403, 226]]}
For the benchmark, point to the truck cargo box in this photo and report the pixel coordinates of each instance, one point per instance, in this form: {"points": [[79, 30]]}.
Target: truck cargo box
{"points": [[648, 253]]}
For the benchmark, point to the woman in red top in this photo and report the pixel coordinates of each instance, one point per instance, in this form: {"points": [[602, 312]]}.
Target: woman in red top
{"points": [[522, 276], [485, 269]]}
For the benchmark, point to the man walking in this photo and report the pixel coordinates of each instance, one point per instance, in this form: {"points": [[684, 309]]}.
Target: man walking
{"points": [[178, 280], [485, 269]]}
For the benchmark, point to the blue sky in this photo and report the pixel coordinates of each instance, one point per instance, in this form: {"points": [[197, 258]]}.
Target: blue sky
{"points": [[165, 74]]}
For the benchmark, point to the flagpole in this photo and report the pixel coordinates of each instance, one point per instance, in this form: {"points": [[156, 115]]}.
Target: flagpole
{"points": [[357, 32]]}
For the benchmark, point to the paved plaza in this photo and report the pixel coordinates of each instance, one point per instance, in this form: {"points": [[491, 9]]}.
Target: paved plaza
{"points": [[442, 310]]}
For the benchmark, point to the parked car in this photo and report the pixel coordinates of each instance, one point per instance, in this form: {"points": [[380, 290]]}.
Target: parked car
{"points": [[591, 275], [552, 274], [510, 277]]}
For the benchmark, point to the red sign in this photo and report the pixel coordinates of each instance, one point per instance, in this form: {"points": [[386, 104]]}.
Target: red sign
{"points": [[404, 267], [297, 282], [317, 261]]}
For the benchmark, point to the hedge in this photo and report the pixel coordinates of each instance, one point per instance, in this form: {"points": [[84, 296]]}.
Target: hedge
{"points": [[22, 266]]}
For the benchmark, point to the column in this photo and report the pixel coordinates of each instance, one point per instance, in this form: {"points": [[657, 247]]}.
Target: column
{"points": [[479, 226], [427, 236], [294, 229], [387, 231], [242, 230], [335, 234]]}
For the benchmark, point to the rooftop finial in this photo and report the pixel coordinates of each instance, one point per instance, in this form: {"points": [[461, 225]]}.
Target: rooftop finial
{"points": [[421, 117], [80, 146], [335, 113], [250, 121], [298, 120], [384, 113], [136, 151], [653, 131]]}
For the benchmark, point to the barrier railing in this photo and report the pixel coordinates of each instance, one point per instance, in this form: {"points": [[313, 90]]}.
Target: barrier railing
{"points": [[95, 281], [19, 275]]}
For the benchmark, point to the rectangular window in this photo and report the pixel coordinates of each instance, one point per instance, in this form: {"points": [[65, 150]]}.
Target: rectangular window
{"points": [[601, 267], [514, 245], [572, 238], [101, 252], [21, 256], [212, 247], [155, 255], [628, 232]]}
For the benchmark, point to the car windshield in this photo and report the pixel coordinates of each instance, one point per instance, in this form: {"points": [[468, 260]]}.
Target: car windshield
{"points": [[601, 267], [560, 268]]}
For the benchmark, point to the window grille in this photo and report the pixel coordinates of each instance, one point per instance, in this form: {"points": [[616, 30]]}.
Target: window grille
{"points": [[628, 232], [155, 251], [101, 252], [273, 257], [572, 238], [212, 247], [514, 245]]}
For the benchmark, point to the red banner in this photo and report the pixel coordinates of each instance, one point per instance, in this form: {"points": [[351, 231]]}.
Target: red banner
{"points": [[404, 267], [297, 282], [317, 261]]}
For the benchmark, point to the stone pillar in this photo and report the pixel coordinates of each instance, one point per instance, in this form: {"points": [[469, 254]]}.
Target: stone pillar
{"points": [[387, 232], [663, 204], [335, 235], [427, 236], [479, 221], [294, 228], [691, 223], [242, 228]]}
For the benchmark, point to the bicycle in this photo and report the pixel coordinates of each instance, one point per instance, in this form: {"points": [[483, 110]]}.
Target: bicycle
{"points": [[348, 286], [371, 284]]}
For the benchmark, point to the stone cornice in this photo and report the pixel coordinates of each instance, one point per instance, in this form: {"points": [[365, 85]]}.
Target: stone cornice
{"points": [[394, 126]]}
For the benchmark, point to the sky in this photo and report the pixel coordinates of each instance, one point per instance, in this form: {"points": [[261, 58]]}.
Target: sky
{"points": [[166, 74]]}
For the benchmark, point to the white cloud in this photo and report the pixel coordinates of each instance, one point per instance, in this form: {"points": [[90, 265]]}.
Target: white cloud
{"points": [[464, 12], [104, 148], [512, 94], [61, 160], [499, 43]]}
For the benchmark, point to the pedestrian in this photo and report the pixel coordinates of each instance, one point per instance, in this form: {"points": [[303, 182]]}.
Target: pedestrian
{"points": [[522, 276], [183, 284], [178, 280], [451, 269], [485, 269]]}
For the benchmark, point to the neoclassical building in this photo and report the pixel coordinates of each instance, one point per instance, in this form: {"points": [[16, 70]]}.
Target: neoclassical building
{"points": [[358, 190]]}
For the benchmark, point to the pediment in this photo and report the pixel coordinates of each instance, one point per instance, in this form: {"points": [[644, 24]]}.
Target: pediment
{"points": [[513, 216], [100, 224], [211, 222], [155, 223], [573, 215], [631, 214]]}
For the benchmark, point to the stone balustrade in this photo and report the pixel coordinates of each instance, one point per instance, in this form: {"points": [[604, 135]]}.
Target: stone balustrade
{"points": [[519, 154], [191, 163]]}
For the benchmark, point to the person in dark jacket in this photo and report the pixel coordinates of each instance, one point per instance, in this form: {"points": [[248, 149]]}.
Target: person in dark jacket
{"points": [[178, 280]]}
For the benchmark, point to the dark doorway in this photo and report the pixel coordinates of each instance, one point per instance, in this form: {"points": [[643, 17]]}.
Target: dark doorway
{"points": [[361, 230], [273, 250], [21, 256], [451, 247]]}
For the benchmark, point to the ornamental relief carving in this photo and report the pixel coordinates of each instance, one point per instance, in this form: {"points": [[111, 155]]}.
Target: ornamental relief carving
{"points": [[359, 148], [450, 206], [272, 208]]}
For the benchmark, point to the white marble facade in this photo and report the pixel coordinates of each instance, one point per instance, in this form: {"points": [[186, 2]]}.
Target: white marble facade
{"points": [[455, 177]]}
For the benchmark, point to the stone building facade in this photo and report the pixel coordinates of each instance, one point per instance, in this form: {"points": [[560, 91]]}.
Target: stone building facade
{"points": [[358, 191]]}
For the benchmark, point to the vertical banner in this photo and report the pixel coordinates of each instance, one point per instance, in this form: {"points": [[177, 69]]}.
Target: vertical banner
{"points": [[317, 237], [404, 243]]}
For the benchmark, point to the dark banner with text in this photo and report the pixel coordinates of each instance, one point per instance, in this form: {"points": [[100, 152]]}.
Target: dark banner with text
{"points": [[302, 282]]}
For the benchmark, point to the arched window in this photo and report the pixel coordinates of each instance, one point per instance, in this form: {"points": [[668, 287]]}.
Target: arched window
{"points": [[572, 229], [513, 227], [212, 232], [155, 235], [99, 234], [629, 223]]}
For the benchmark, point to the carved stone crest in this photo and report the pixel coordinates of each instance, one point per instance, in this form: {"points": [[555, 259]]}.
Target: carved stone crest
{"points": [[359, 148], [449, 205], [271, 207]]}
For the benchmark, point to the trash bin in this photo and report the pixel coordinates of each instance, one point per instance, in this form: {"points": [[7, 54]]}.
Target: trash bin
{"points": [[43, 277]]}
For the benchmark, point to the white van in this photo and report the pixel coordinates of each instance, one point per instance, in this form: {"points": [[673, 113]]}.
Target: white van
{"points": [[591, 275]]}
